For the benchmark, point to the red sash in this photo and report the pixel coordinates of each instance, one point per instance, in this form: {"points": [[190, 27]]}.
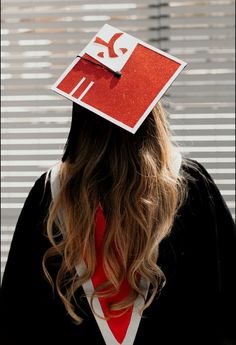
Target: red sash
{"points": [[119, 324]]}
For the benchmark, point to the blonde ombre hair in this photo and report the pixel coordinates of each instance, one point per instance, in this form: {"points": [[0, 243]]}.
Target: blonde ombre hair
{"points": [[131, 177]]}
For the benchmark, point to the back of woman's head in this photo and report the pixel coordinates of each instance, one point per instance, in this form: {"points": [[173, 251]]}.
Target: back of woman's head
{"points": [[90, 132], [131, 177]]}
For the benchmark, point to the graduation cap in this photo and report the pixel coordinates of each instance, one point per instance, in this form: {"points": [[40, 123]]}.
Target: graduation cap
{"points": [[119, 77]]}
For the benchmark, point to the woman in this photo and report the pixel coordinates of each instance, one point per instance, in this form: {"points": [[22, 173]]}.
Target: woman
{"points": [[124, 221]]}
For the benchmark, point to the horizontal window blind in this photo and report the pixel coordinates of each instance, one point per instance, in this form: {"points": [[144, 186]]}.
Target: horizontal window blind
{"points": [[39, 39]]}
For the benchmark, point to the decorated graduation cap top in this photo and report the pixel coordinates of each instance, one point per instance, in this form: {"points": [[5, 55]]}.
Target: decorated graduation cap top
{"points": [[119, 77]]}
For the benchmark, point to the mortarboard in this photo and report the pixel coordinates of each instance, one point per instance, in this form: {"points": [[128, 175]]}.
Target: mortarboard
{"points": [[119, 77]]}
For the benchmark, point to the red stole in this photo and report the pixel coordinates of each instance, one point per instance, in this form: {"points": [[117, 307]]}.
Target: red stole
{"points": [[119, 324]]}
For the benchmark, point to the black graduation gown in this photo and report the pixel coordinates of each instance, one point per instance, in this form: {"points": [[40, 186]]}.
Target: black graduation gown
{"points": [[196, 306]]}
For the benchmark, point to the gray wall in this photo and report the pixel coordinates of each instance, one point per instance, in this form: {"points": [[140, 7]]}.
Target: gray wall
{"points": [[40, 38]]}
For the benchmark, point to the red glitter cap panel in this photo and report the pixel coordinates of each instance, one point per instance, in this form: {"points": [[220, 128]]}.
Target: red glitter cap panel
{"points": [[119, 77]]}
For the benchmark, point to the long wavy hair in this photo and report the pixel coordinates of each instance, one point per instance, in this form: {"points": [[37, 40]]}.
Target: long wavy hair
{"points": [[131, 177]]}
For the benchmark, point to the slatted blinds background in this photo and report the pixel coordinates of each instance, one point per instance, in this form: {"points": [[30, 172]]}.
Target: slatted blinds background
{"points": [[40, 38]]}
